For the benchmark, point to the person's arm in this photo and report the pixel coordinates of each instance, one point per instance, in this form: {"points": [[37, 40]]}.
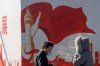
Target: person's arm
{"points": [[79, 60]]}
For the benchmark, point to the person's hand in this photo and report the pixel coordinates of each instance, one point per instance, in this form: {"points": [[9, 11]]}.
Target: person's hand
{"points": [[54, 64], [76, 55]]}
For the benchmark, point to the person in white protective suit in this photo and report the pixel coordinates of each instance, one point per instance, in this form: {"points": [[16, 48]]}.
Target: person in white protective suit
{"points": [[83, 56]]}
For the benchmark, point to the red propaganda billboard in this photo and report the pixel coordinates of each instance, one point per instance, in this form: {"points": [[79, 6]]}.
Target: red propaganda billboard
{"points": [[70, 25]]}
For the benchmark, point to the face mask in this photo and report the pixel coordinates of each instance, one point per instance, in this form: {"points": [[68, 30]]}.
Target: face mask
{"points": [[48, 53]]}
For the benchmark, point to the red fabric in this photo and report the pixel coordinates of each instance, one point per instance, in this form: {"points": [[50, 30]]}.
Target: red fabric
{"points": [[59, 22]]}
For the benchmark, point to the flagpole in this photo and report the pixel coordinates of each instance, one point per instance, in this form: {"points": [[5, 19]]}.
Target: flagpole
{"points": [[4, 49]]}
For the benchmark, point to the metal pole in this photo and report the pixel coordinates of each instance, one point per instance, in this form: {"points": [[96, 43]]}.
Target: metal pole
{"points": [[4, 48]]}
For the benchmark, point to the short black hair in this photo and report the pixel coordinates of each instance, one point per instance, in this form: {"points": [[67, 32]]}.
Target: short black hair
{"points": [[47, 44]]}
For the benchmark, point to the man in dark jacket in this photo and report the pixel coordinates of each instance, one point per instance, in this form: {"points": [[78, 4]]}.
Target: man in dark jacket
{"points": [[41, 59]]}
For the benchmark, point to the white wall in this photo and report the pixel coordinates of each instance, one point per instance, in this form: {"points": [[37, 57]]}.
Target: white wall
{"points": [[12, 40]]}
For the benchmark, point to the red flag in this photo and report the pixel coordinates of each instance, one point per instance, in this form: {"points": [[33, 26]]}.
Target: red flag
{"points": [[59, 22]]}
